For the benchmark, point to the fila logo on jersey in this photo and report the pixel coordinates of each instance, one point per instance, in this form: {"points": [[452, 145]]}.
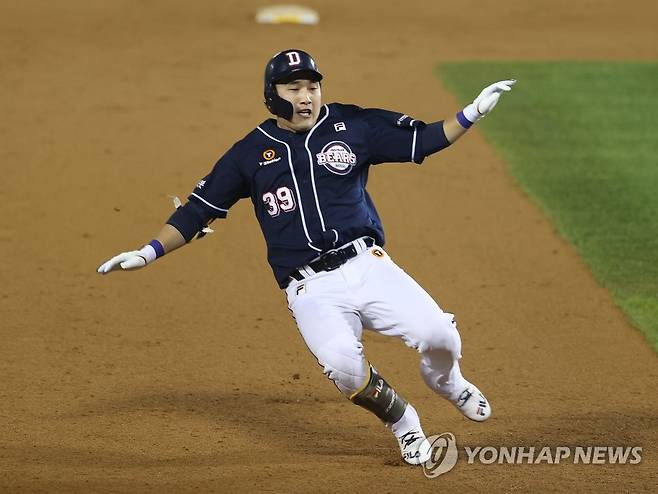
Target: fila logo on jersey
{"points": [[337, 157], [339, 126], [269, 155]]}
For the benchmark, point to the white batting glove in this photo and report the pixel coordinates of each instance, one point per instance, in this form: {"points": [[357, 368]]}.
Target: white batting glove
{"points": [[487, 100], [129, 261]]}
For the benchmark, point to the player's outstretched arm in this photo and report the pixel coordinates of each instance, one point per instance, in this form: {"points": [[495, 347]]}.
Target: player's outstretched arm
{"points": [[457, 126], [168, 239]]}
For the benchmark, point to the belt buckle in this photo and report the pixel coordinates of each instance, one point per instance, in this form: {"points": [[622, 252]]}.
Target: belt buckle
{"points": [[332, 260]]}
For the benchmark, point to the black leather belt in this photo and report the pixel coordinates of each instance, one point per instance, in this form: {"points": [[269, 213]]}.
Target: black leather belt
{"points": [[332, 259]]}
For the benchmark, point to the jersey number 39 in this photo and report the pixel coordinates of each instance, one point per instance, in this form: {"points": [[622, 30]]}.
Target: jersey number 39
{"points": [[281, 200]]}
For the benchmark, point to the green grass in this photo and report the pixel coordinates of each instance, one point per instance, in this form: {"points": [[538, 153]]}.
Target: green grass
{"points": [[582, 140]]}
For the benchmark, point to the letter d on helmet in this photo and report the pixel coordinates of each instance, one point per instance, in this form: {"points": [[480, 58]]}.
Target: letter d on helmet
{"points": [[284, 67]]}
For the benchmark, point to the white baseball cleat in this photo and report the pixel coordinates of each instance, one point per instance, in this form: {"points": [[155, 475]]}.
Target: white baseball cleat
{"points": [[472, 404], [415, 447]]}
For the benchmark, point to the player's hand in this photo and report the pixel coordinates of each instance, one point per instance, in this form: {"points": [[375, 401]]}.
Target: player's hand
{"points": [[487, 100], [127, 261]]}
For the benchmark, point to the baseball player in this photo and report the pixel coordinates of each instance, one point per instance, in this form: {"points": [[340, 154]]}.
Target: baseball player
{"points": [[305, 172]]}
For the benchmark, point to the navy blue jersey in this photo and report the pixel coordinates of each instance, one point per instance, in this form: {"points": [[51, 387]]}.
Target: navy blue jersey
{"points": [[309, 189]]}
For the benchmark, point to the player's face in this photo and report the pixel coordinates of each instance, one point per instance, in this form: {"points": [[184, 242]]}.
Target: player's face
{"points": [[306, 99]]}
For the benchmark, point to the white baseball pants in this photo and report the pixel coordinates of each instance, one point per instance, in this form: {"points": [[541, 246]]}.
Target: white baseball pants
{"points": [[331, 309]]}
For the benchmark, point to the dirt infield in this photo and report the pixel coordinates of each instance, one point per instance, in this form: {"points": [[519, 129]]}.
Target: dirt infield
{"points": [[190, 375]]}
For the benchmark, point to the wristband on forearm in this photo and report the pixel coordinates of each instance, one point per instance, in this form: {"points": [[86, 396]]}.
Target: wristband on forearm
{"points": [[151, 251], [468, 116], [463, 121]]}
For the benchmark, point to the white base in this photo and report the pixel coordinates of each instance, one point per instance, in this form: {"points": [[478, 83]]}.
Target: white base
{"points": [[287, 14]]}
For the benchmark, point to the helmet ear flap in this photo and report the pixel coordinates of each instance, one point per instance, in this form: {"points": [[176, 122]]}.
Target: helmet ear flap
{"points": [[276, 104]]}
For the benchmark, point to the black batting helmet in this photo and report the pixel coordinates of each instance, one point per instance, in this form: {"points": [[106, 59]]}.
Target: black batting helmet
{"points": [[283, 67]]}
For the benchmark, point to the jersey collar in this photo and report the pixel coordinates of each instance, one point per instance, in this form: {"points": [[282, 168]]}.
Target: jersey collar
{"points": [[285, 135]]}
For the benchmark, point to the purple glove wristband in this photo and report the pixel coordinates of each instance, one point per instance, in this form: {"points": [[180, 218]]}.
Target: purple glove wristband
{"points": [[157, 247], [463, 121]]}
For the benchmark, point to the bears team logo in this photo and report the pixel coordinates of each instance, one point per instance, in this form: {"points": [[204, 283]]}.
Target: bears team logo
{"points": [[337, 157]]}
